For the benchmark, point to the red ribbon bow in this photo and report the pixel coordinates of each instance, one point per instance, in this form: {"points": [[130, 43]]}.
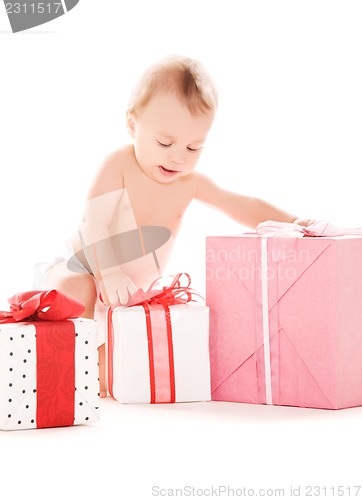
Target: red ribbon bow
{"points": [[45, 305], [175, 293]]}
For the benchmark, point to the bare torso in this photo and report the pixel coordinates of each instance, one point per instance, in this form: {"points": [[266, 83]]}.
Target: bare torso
{"points": [[152, 209]]}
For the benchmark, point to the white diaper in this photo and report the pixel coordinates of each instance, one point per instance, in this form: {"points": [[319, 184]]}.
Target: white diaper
{"points": [[41, 269]]}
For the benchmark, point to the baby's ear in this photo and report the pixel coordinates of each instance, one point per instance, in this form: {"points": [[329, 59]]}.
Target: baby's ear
{"points": [[130, 122]]}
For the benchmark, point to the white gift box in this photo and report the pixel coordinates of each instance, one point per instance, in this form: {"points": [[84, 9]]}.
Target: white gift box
{"points": [[150, 362], [18, 374]]}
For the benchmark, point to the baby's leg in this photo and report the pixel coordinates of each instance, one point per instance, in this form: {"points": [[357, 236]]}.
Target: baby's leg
{"points": [[81, 286]]}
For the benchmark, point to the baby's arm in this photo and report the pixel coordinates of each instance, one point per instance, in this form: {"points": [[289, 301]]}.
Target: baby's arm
{"points": [[246, 210], [102, 201]]}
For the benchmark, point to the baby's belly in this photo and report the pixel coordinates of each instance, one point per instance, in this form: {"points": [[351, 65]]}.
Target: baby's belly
{"points": [[149, 258], [142, 253]]}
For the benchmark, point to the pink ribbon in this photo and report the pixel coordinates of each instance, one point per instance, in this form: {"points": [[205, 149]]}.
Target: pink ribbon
{"points": [[316, 229]]}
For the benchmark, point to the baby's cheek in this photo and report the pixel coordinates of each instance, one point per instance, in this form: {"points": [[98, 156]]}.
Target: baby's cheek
{"points": [[195, 159]]}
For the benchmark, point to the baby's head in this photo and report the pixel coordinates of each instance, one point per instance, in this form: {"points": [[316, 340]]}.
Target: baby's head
{"points": [[169, 116], [184, 77]]}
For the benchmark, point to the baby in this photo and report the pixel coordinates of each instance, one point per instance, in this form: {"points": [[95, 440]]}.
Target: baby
{"points": [[139, 195]]}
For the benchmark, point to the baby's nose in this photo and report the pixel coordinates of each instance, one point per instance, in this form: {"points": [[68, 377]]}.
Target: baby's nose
{"points": [[177, 157]]}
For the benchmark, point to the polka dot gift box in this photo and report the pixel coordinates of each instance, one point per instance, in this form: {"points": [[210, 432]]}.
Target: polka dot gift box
{"points": [[48, 363]]}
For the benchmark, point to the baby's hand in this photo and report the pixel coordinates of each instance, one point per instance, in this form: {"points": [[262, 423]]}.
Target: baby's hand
{"points": [[304, 222], [116, 288]]}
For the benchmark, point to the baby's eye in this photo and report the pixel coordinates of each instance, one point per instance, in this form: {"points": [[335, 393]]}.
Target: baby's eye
{"points": [[164, 145], [193, 150]]}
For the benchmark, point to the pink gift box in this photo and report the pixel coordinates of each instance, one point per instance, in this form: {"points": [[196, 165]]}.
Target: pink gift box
{"points": [[285, 320]]}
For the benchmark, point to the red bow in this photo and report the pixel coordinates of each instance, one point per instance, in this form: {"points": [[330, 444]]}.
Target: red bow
{"points": [[45, 305], [175, 293]]}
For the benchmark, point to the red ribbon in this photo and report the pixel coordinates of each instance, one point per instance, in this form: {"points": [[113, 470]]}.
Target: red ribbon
{"points": [[154, 298], [162, 386], [55, 349], [44, 305], [55, 373], [175, 293]]}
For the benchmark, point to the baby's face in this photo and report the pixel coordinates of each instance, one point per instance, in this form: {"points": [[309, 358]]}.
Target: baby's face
{"points": [[168, 140]]}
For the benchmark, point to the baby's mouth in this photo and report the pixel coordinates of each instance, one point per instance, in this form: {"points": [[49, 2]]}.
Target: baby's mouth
{"points": [[167, 171]]}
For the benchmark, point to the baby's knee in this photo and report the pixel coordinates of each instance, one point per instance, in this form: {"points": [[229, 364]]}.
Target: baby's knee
{"points": [[80, 286], [83, 288]]}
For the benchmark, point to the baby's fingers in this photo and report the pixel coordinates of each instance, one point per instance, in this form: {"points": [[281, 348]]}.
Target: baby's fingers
{"points": [[104, 295], [126, 292], [113, 299], [132, 289], [123, 296]]}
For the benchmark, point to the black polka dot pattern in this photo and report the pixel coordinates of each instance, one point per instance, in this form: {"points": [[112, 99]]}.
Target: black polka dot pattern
{"points": [[18, 375], [86, 377]]}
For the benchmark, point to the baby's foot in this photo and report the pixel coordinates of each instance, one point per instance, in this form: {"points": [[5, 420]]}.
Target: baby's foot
{"points": [[102, 372]]}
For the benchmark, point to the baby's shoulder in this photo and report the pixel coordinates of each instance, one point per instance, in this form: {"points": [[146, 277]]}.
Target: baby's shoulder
{"points": [[190, 184], [119, 158], [116, 164], [198, 180], [111, 173]]}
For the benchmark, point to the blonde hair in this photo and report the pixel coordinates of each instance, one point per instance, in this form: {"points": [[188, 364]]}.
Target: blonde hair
{"points": [[183, 76]]}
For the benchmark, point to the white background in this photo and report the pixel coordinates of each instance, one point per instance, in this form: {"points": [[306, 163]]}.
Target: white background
{"points": [[288, 130]]}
